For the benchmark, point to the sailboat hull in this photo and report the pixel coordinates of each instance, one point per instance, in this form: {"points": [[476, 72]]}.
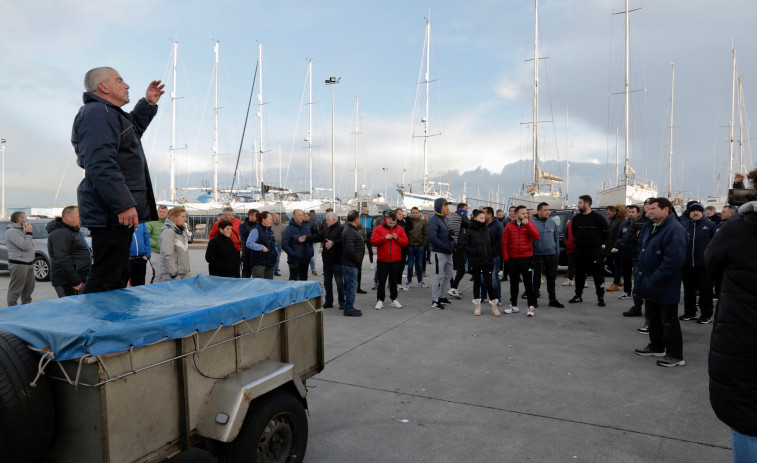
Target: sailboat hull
{"points": [[531, 201], [625, 195]]}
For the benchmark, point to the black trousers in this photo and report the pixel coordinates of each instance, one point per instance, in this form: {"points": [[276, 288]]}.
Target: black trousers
{"points": [[458, 265], [546, 265], [401, 269], [696, 279], [110, 255], [246, 264], [297, 271], [590, 262], [390, 270], [628, 263], [486, 273], [664, 328], [65, 290], [333, 272], [137, 270], [521, 268]]}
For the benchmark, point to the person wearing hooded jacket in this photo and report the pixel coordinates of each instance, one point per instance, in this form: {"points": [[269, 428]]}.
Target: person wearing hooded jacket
{"points": [[442, 243], [732, 361], [389, 239], [174, 247], [70, 259], [699, 233], [139, 255], [477, 245]]}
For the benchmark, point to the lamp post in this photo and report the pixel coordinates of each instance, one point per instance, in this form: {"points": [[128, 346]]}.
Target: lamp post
{"points": [[2, 151], [331, 81], [386, 194]]}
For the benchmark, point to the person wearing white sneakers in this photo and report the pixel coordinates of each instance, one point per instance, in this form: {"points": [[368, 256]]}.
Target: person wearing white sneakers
{"points": [[476, 243], [517, 252], [389, 240]]}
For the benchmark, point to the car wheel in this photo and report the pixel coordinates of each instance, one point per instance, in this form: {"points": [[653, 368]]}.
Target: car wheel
{"points": [[41, 269]]}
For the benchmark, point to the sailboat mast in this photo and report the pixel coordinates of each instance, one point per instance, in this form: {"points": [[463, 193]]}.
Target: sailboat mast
{"points": [[357, 132], [215, 138], [617, 165], [670, 150], [627, 87], [173, 127], [536, 94], [425, 118], [741, 128], [309, 139], [259, 180], [730, 124], [567, 158]]}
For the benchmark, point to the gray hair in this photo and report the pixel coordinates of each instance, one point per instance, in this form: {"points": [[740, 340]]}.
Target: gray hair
{"points": [[95, 76], [710, 209], [162, 206], [330, 215], [227, 209]]}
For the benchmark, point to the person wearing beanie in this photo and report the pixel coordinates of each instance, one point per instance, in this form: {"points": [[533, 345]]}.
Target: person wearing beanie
{"points": [[699, 233]]}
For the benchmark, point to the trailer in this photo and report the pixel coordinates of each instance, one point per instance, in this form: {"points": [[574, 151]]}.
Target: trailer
{"points": [[141, 374]]}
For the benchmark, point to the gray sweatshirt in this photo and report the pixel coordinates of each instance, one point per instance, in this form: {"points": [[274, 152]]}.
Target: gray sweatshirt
{"points": [[20, 244], [174, 252]]}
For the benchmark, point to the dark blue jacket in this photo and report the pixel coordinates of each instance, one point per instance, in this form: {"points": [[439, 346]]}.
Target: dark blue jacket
{"points": [[264, 237], [439, 234], [140, 242], [108, 146], [70, 258], [626, 238], [297, 253], [698, 236], [548, 243], [662, 254], [495, 230]]}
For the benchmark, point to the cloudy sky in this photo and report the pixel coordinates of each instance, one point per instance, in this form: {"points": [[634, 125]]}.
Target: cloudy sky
{"points": [[480, 100]]}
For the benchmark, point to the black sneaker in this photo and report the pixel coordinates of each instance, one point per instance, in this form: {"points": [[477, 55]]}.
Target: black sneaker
{"points": [[353, 313], [669, 361], [704, 320], [647, 351], [687, 317], [633, 312], [484, 301], [601, 302], [643, 330], [444, 300], [437, 305], [524, 296], [360, 291], [276, 274], [538, 294], [575, 300], [556, 303], [328, 306]]}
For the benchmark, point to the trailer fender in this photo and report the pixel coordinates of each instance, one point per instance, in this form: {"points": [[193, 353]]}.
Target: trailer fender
{"points": [[230, 397]]}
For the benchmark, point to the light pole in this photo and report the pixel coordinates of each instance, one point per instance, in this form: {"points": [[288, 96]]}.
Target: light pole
{"points": [[2, 150], [386, 194], [331, 81]]}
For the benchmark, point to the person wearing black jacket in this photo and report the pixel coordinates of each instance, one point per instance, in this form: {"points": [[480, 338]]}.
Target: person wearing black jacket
{"points": [[696, 281], [476, 243], [458, 223], [221, 255], [407, 225], [244, 232], [732, 363], [70, 258], [331, 237], [116, 193], [589, 233], [353, 252]]}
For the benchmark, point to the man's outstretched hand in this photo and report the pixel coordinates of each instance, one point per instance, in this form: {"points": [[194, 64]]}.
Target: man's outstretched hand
{"points": [[154, 91]]}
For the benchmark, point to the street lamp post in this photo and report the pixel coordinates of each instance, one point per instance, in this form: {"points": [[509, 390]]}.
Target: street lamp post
{"points": [[331, 81], [2, 150], [386, 193]]}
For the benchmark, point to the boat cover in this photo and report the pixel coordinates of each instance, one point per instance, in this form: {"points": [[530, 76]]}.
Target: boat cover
{"points": [[113, 321]]}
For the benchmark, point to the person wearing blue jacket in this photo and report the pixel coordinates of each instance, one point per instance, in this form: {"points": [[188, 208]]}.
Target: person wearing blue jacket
{"points": [[139, 255], [699, 233], [546, 253], [299, 252], [658, 273], [442, 243], [116, 193]]}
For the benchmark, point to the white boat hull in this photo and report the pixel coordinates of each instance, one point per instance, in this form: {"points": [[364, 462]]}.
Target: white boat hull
{"points": [[624, 194], [531, 201]]}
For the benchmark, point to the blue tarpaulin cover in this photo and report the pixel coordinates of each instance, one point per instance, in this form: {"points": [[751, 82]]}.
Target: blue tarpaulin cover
{"points": [[113, 321]]}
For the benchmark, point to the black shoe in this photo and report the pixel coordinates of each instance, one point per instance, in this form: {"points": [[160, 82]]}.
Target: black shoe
{"points": [[643, 330], [633, 312], [471, 279], [437, 305], [556, 303], [503, 278], [601, 302], [353, 313], [524, 296], [276, 274], [328, 306], [360, 291], [669, 361], [647, 351], [444, 300], [575, 299], [538, 294], [484, 301], [687, 317], [704, 320]]}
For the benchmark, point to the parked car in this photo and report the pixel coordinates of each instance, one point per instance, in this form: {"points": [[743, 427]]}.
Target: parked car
{"points": [[561, 218], [41, 258]]}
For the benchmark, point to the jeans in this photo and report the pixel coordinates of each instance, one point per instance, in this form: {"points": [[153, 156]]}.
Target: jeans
{"points": [[442, 275], [110, 255], [350, 286], [664, 328], [744, 447], [333, 272], [548, 266], [278, 257], [415, 262]]}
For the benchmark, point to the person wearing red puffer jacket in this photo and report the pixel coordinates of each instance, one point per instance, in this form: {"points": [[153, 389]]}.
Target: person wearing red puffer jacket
{"points": [[517, 253], [389, 239]]}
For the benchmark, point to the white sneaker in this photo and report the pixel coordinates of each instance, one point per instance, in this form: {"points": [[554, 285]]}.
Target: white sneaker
{"points": [[567, 283], [372, 267], [379, 305], [512, 309], [407, 287], [530, 311], [396, 304], [452, 292]]}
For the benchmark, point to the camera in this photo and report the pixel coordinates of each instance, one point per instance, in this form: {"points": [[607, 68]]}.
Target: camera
{"points": [[739, 196]]}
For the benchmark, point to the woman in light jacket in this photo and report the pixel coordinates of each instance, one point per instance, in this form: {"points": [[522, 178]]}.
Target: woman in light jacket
{"points": [[174, 247]]}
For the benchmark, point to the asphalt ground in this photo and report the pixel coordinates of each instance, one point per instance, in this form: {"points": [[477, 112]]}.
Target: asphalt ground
{"points": [[423, 385]]}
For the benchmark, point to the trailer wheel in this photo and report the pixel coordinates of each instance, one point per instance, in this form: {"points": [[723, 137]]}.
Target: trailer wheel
{"points": [[27, 419], [275, 430]]}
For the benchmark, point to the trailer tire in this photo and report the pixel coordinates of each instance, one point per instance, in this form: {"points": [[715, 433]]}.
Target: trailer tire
{"points": [[27, 417], [274, 430]]}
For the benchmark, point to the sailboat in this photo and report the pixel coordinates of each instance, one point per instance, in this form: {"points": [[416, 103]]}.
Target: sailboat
{"points": [[376, 204], [541, 188], [424, 200], [633, 190]]}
